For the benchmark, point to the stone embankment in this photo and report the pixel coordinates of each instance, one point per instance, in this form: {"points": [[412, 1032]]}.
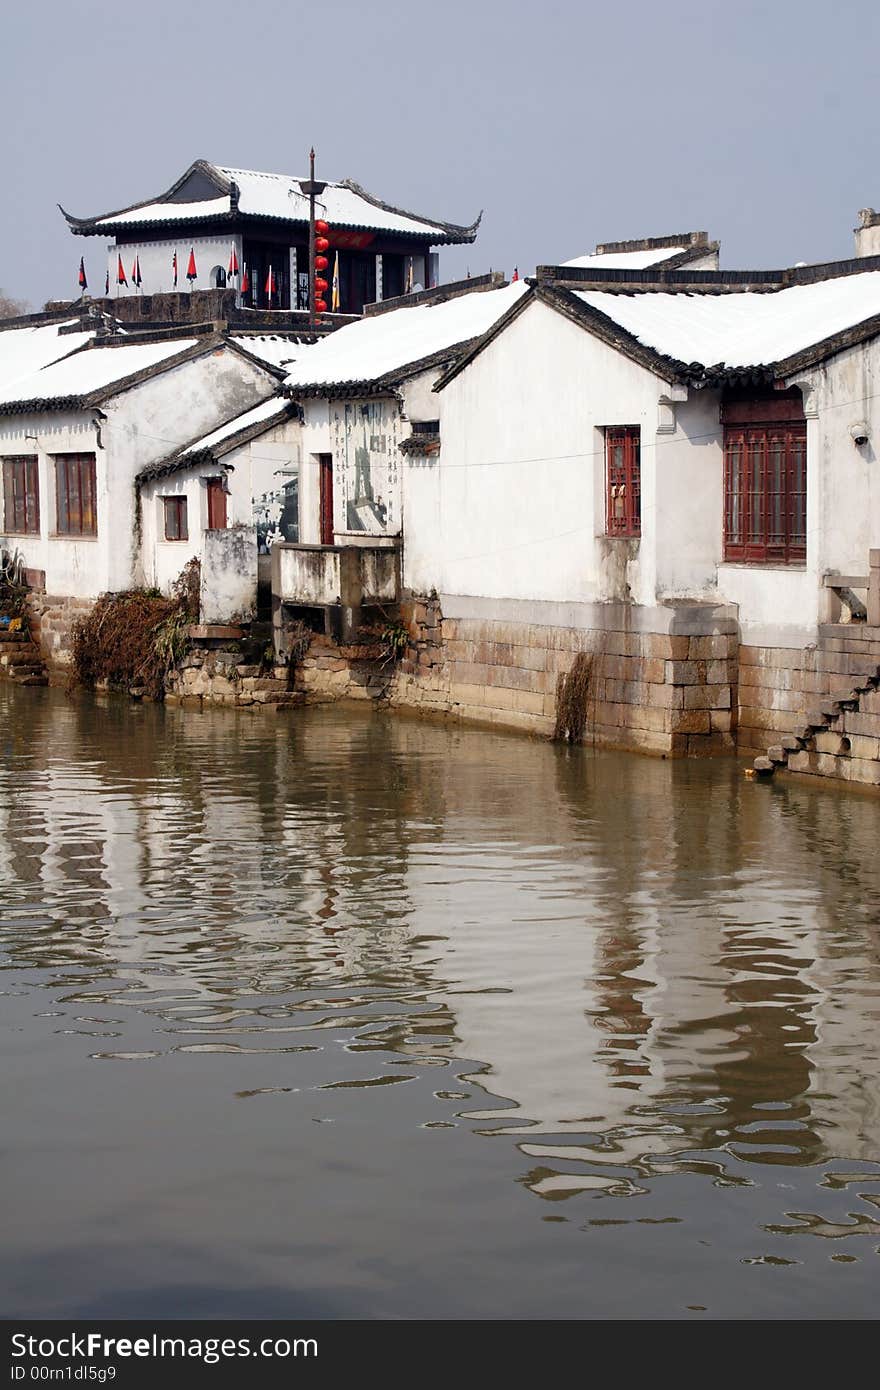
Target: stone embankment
{"points": [[21, 660]]}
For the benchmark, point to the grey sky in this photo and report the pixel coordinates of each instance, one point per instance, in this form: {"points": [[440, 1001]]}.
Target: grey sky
{"points": [[568, 122]]}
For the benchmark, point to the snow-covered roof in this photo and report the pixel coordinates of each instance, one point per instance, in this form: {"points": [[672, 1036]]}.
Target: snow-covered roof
{"points": [[26, 350], [625, 260], [250, 424], [252, 193], [266, 414], [741, 329], [273, 349], [167, 212], [387, 343], [90, 370]]}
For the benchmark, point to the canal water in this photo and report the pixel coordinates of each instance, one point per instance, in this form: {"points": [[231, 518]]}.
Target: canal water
{"points": [[331, 1014]]}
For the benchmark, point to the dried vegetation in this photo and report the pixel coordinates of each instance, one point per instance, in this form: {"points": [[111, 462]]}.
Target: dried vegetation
{"points": [[133, 640], [573, 692]]}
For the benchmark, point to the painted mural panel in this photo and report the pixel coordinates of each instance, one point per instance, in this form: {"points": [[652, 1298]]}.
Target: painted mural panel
{"points": [[276, 511], [366, 439]]}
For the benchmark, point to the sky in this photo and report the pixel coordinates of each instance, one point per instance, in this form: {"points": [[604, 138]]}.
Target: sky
{"points": [[568, 122]]}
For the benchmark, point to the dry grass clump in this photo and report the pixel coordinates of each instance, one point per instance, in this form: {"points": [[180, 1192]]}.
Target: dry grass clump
{"points": [[132, 640], [572, 700]]}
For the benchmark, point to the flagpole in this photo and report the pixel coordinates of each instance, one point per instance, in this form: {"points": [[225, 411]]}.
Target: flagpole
{"points": [[313, 188]]}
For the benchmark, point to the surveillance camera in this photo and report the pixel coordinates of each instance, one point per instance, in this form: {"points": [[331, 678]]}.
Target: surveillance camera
{"points": [[859, 433]]}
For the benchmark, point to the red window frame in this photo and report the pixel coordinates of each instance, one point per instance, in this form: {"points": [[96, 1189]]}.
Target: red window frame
{"points": [[765, 492], [21, 495], [75, 495], [623, 481], [176, 519]]}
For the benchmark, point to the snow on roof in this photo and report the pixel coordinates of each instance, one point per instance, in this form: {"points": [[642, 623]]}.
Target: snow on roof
{"points": [[90, 370], [742, 329], [27, 350], [272, 349], [274, 408], [386, 343], [169, 212], [280, 195], [625, 260]]}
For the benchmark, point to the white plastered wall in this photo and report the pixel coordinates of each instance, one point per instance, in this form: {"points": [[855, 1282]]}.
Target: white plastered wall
{"points": [[514, 507], [251, 471], [132, 430]]}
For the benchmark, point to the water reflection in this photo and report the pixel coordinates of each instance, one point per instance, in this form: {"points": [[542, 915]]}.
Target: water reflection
{"points": [[561, 978]]}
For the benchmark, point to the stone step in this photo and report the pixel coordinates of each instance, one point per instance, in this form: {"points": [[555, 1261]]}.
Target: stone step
{"points": [[21, 676], [816, 719], [792, 743], [24, 652], [777, 753], [764, 766]]}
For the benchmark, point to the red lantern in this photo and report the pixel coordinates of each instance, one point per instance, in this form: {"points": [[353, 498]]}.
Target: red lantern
{"points": [[320, 306], [321, 263], [321, 227], [322, 244], [321, 285]]}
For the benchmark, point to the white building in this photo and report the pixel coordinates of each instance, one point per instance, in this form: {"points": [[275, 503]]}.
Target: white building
{"points": [[75, 432], [650, 446], [364, 391]]}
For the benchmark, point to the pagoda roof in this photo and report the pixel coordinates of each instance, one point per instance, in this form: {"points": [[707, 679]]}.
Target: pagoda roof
{"points": [[217, 196]]}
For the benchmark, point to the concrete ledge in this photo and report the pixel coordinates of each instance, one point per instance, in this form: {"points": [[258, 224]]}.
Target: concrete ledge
{"points": [[679, 618]]}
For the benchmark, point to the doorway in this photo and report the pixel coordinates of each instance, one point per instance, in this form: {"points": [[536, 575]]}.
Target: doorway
{"points": [[325, 462]]}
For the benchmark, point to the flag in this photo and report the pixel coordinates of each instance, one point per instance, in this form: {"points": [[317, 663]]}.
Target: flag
{"points": [[120, 272], [270, 285], [245, 281], [136, 273], [107, 280], [233, 262], [83, 282], [174, 268], [334, 293], [515, 274], [191, 272]]}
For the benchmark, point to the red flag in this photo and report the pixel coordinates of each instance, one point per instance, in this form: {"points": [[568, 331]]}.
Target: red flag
{"points": [[515, 275], [245, 281], [233, 263], [83, 282], [174, 268], [191, 272], [270, 284], [120, 272]]}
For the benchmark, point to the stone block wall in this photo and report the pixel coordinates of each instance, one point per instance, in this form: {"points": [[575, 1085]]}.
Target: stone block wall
{"points": [[669, 691], [778, 686], [51, 621]]}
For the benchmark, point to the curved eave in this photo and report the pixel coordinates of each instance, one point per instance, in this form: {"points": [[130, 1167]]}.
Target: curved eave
{"points": [[431, 236]]}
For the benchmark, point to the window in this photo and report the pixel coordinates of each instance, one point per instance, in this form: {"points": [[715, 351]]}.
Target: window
{"points": [[175, 519], [75, 495], [623, 485], [765, 481], [21, 496]]}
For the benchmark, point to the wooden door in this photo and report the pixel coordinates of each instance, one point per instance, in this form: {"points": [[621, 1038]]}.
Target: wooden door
{"points": [[326, 475], [216, 505]]}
